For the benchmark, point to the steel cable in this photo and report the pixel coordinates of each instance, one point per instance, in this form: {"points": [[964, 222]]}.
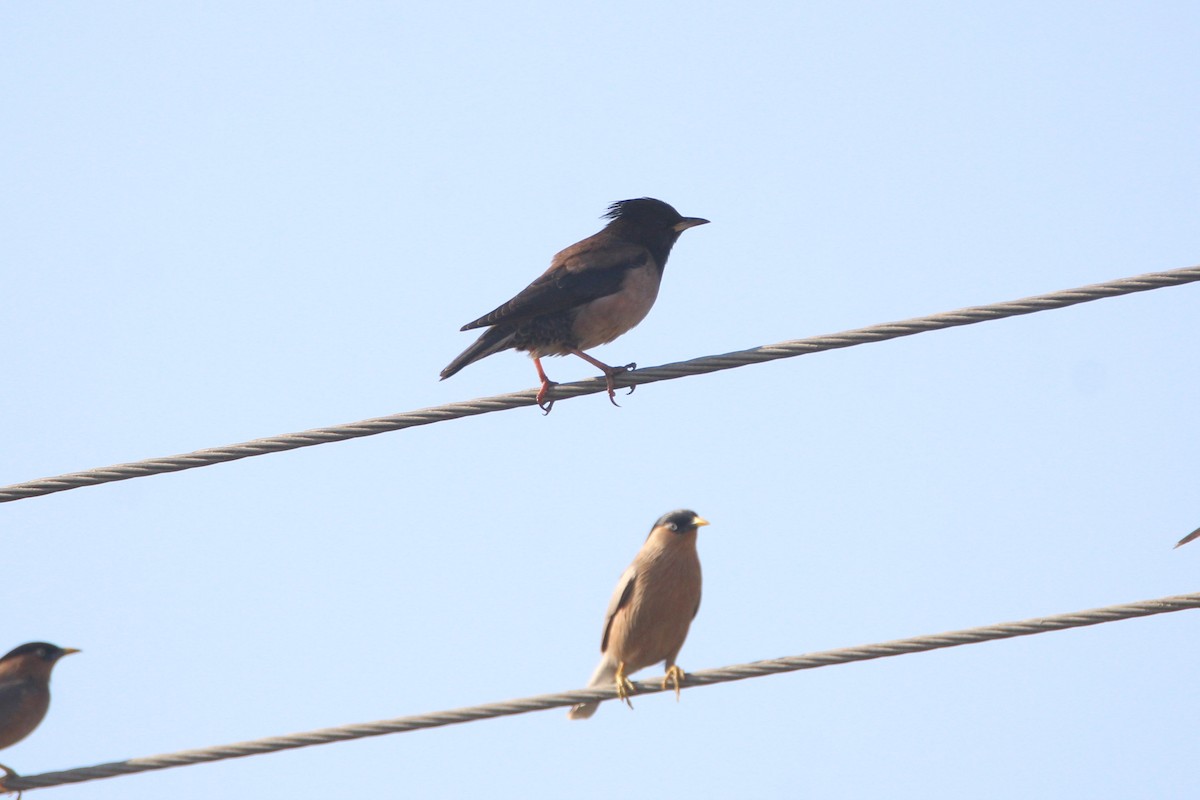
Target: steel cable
{"points": [[696, 366], [755, 669]]}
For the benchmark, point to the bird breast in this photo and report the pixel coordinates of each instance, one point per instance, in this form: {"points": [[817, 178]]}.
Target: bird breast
{"points": [[654, 625], [23, 705], [602, 320]]}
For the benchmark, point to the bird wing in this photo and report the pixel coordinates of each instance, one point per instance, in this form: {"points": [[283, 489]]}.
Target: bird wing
{"points": [[619, 600], [12, 695], [585, 271]]}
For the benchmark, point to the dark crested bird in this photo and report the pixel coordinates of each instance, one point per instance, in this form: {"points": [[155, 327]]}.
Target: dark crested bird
{"points": [[593, 292], [651, 609], [25, 690]]}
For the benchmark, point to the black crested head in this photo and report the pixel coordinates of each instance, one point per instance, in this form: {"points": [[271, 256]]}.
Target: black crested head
{"points": [[43, 650], [649, 222], [644, 210], [681, 521]]}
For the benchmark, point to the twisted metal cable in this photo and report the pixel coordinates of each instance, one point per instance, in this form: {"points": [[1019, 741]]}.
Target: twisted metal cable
{"points": [[696, 366], [755, 669]]}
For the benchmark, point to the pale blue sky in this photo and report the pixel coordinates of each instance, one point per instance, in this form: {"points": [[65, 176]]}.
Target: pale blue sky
{"points": [[223, 221]]}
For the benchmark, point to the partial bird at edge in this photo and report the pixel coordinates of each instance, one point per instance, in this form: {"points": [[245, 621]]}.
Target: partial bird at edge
{"points": [[1191, 536], [25, 692]]}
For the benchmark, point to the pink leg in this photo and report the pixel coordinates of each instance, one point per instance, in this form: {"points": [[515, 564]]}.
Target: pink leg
{"points": [[609, 373], [546, 386]]}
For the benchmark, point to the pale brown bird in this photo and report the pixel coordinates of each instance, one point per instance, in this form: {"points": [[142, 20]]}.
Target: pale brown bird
{"points": [[25, 690], [648, 617], [594, 291]]}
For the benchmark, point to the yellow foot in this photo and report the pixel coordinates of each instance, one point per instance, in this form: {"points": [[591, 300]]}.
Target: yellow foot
{"points": [[624, 685], [674, 676], [8, 773]]}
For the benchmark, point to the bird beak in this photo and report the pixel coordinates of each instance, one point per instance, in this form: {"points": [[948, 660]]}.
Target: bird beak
{"points": [[700, 522], [688, 222], [66, 651]]}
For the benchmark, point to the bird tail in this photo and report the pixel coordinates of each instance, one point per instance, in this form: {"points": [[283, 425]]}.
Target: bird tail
{"points": [[605, 675], [492, 341]]}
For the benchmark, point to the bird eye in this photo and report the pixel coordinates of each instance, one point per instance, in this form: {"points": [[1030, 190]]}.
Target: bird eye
{"points": [[674, 528]]}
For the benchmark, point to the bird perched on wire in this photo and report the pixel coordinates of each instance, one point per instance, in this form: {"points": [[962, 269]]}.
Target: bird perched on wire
{"points": [[25, 690], [593, 292], [1193, 535], [651, 609]]}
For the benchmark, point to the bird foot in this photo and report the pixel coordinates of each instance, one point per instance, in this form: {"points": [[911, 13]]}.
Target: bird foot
{"points": [[612, 372], [624, 686], [630, 367], [609, 374], [546, 403], [674, 676], [8, 773]]}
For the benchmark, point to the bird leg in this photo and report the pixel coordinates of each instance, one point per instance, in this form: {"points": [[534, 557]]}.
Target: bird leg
{"points": [[624, 685], [8, 773], [609, 374], [674, 676], [547, 385]]}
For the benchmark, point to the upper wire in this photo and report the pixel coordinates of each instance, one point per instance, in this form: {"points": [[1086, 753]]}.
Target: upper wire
{"points": [[696, 366]]}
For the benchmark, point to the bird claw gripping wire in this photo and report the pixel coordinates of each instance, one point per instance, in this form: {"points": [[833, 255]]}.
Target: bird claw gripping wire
{"points": [[546, 405], [624, 685], [674, 676], [630, 367], [612, 372], [8, 773], [545, 400]]}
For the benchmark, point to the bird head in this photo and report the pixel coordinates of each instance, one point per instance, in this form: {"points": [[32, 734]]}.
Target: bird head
{"points": [[651, 215], [681, 521], [36, 658], [40, 650]]}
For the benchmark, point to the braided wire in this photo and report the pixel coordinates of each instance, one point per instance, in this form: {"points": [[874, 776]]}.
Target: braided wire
{"points": [[755, 669], [696, 366]]}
